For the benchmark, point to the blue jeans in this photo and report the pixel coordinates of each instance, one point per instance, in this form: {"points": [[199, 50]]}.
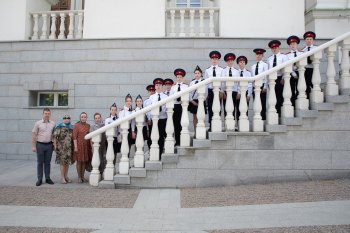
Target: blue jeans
{"points": [[44, 155]]}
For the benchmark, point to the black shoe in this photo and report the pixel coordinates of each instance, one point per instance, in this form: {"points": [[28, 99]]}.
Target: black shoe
{"points": [[38, 183], [49, 181]]}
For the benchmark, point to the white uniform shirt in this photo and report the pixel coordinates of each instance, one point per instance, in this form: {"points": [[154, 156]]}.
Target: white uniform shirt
{"points": [[262, 67], [209, 73], [147, 103], [246, 73], [111, 119], [306, 49], [194, 94], [226, 73], [124, 112], [154, 99], [280, 58], [175, 88], [144, 123], [292, 54]]}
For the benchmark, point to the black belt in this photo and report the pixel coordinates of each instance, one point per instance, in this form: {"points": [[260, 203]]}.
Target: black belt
{"points": [[45, 143]]}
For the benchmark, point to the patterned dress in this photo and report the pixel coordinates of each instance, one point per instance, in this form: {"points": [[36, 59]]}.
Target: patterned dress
{"points": [[64, 145], [84, 153]]}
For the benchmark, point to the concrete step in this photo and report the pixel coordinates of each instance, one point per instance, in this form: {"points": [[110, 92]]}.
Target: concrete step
{"points": [[170, 158], [153, 165], [106, 184], [338, 99], [306, 113], [201, 143], [217, 136], [137, 172], [276, 128], [121, 179], [322, 106], [292, 121]]}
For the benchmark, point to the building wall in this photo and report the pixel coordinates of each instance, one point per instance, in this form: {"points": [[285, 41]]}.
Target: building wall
{"points": [[261, 19], [119, 18]]}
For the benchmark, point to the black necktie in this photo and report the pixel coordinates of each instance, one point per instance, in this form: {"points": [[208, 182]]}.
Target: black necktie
{"points": [[274, 61], [295, 53], [160, 107], [195, 90], [214, 73], [179, 89], [309, 61], [114, 118], [230, 72], [257, 68], [130, 109], [241, 75]]}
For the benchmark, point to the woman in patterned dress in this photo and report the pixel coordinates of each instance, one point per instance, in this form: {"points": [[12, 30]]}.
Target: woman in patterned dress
{"points": [[63, 144], [82, 147]]}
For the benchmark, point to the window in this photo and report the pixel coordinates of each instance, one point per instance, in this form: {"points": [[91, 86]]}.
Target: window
{"points": [[188, 3], [52, 99]]}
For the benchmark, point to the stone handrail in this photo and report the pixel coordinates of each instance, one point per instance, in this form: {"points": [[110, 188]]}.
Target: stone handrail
{"points": [[41, 24], [302, 104]]}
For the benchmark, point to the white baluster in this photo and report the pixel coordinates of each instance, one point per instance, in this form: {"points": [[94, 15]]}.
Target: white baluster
{"points": [[35, 27], [185, 133], [109, 170], [44, 27], [172, 23], [192, 33], [272, 116], [80, 25], [71, 26], [154, 150], [332, 87], [169, 140], [243, 122], [201, 23], [258, 123], [95, 175], [124, 161], [182, 23], [62, 26], [200, 129], [53, 27], [229, 120], [216, 125], [302, 103], [287, 110], [211, 23], [139, 159], [345, 65], [316, 95]]}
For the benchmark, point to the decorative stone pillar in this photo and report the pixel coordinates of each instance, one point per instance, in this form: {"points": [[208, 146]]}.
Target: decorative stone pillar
{"points": [[211, 24], [71, 26], [172, 23], [302, 103], [272, 116], [53, 27], [287, 110], [216, 124], [201, 23], [182, 24], [124, 161], [229, 120], [62, 26], [200, 129], [169, 140], [185, 138], [332, 87], [154, 150], [258, 124], [243, 123], [109, 170], [192, 33], [345, 66], [139, 159], [35, 35], [44, 27], [316, 95], [95, 175], [80, 25]]}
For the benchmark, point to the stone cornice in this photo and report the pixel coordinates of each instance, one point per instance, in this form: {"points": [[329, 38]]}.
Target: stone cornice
{"points": [[327, 14]]}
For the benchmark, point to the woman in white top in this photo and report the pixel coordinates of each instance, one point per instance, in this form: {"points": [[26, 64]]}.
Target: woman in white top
{"points": [[138, 107], [124, 112]]}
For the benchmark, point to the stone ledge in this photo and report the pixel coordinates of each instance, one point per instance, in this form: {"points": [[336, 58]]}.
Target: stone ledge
{"points": [[322, 106], [170, 158], [220, 136], [345, 91], [306, 113], [292, 121], [121, 179], [276, 128], [338, 99], [153, 165], [137, 172], [181, 150], [106, 184], [201, 143]]}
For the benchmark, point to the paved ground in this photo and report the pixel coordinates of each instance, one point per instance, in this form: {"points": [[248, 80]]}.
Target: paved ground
{"points": [[295, 207]]}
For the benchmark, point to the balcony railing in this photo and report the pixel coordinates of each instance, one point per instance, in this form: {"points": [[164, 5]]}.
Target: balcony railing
{"points": [[192, 22], [57, 25]]}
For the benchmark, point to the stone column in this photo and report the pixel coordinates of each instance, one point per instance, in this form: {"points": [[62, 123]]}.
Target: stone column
{"points": [[95, 175]]}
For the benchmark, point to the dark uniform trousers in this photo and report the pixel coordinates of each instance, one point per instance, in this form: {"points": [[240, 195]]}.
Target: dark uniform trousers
{"points": [[44, 155], [162, 135], [308, 80], [294, 87], [279, 94], [177, 123], [210, 105], [236, 103]]}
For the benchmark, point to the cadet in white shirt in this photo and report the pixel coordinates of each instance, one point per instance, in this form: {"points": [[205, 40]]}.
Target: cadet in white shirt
{"points": [[124, 112], [179, 86], [293, 42], [213, 71], [138, 107], [168, 83], [158, 96], [309, 38], [150, 90], [228, 71], [113, 117], [259, 67], [242, 72], [193, 104], [276, 59]]}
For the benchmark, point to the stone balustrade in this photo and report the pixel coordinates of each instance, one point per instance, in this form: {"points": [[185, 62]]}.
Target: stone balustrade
{"points": [[60, 25], [256, 124], [192, 22]]}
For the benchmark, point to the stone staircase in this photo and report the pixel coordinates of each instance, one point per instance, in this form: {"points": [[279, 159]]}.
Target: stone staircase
{"points": [[315, 145]]}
